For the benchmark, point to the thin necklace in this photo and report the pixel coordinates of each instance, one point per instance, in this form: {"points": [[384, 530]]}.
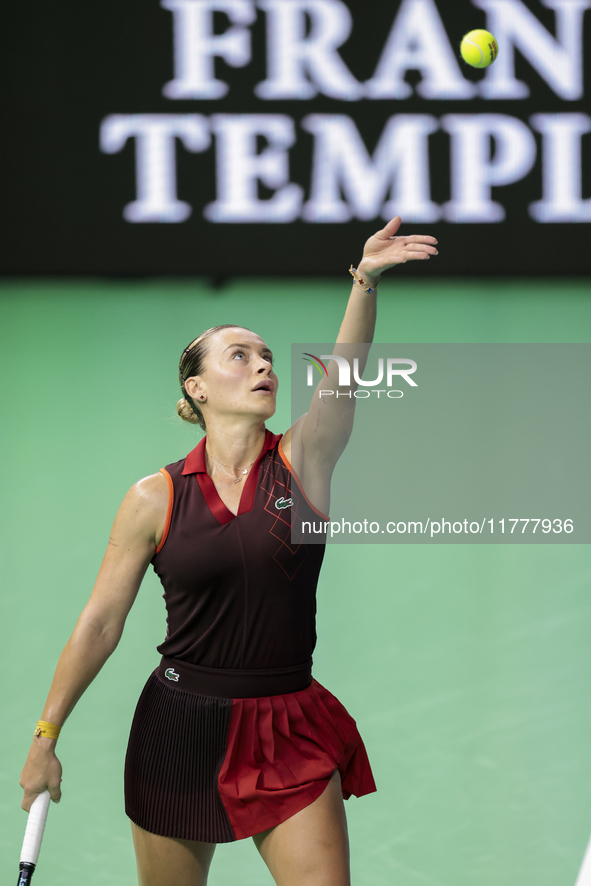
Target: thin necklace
{"points": [[230, 468]]}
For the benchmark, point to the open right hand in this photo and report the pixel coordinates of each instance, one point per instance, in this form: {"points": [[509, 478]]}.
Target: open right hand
{"points": [[42, 771], [385, 250]]}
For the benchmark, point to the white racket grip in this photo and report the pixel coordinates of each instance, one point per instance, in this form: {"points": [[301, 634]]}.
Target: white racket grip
{"points": [[35, 828]]}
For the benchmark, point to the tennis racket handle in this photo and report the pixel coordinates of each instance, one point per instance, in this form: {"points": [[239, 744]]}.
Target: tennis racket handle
{"points": [[34, 830], [26, 872]]}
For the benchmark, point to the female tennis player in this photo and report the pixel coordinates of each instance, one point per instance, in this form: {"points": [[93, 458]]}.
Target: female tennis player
{"points": [[232, 737]]}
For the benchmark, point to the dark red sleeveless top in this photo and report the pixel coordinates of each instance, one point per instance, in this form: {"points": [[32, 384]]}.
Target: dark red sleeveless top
{"points": [[238, 593]]}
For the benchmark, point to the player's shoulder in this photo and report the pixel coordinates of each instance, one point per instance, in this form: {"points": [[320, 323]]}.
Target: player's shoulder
{"points": [[157, 486], [150, 494], [143, 510], [150, 486]]}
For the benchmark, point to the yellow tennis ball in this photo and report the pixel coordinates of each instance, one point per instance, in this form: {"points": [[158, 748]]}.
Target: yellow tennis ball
{"points": [[479, 48]]}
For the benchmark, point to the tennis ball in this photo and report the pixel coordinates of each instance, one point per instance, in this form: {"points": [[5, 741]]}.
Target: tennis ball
{"points": [[479, 48]]}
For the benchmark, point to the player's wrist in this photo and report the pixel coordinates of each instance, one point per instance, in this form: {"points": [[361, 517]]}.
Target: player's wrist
{"points": [[46, 732], [368, 274], [43, 746], [364, 278]]}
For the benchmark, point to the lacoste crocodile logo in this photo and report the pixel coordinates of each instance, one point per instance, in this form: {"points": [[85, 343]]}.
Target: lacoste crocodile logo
{"points": [[283, 503], [171, 674]]}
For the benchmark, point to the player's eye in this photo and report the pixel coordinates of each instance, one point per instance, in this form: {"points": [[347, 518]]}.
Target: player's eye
{"points": [[238, 354]]}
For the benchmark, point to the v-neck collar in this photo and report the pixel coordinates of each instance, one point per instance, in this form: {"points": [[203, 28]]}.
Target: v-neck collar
{"points": [[195, 464]]}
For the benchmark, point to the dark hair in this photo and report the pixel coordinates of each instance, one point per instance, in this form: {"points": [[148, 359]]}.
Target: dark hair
{"points": [[192, 363]]}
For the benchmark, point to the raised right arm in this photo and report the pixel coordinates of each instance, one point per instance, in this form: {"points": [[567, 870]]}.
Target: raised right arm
{"points": [[136, 531]]}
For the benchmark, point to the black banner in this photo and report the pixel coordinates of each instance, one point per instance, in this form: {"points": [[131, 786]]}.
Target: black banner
{"points": [[239, 137]]}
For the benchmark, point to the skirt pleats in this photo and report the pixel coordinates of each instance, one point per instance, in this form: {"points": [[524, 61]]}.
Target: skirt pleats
{"points": [[282, 752], [217, 769], [176, 748]]}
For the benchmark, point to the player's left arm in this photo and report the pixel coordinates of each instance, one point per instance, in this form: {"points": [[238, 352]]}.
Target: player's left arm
{"points": [[318, 438]]}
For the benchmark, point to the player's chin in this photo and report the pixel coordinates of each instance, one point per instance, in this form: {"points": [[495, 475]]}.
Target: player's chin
{"points": [[265, 407], [270, 409]]}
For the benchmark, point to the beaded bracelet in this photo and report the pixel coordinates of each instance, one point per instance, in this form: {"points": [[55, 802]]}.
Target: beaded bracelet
{"points": [[47, 730], [361, 282]]}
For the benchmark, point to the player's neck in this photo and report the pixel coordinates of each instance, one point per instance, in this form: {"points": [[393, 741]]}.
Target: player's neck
{"points": [[235, 446]]}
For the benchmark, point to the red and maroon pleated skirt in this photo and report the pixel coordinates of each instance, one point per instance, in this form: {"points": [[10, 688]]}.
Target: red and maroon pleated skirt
{"points": [[213, 768]]}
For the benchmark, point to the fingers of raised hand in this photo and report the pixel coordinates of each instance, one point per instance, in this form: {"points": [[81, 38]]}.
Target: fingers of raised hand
{"points": [[386, 251], [425, 252], [415, 247], [417, 238], [390, 229]]}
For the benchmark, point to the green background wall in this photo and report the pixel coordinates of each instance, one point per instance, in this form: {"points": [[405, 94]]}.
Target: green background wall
{"points": [[468, 668]]}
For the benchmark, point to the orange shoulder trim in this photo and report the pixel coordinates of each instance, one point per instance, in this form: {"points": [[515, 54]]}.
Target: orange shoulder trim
{"points": [[299, 485], [169, 510]]}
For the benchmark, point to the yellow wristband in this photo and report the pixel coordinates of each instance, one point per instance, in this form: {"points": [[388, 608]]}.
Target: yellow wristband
{"points": [[47, 730]]}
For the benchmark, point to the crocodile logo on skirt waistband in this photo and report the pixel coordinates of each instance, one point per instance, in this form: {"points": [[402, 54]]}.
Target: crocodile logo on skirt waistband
{"points": [[171, 674]]}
